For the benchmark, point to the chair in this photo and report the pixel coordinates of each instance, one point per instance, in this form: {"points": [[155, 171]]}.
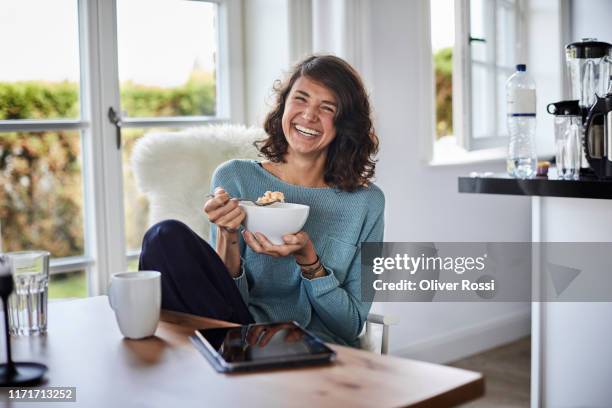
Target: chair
{"points": [[174, 170]]}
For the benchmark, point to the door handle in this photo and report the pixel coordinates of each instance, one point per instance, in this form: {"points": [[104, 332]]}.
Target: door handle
{"points": [[115, 119], [476, 39]]}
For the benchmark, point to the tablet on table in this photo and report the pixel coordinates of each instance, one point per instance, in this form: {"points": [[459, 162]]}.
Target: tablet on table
{"points": [[262, 345]]}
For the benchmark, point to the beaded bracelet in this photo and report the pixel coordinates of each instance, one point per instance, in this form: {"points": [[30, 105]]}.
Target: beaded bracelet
{"points": [[311, 270], [310, 274], [310, 264]]}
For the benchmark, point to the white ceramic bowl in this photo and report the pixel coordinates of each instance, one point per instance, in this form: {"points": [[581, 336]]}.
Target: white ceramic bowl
{"points": [[275, 220]]}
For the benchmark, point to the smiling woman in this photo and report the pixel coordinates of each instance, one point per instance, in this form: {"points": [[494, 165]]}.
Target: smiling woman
{"points": [[308, 120], [320, 149], [324, 94]]}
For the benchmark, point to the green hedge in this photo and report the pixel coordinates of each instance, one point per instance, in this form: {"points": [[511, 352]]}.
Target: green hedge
{"points": [[194, 98], [40, 172], [443, 62], [38, 100], [51, 100]]}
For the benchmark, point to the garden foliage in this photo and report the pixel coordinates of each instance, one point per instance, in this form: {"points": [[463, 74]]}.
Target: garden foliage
{"points": [[41, 184], [443, 62]]}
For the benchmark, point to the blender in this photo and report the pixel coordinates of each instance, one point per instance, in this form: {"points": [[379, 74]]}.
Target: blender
{"points": [[589, 64]]}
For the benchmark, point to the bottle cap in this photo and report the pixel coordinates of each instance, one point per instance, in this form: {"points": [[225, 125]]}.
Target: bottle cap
{"points": [[521, 67]]}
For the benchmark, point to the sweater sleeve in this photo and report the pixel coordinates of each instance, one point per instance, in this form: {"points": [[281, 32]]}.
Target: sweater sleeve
{"points": [[222, 178], [240, 280], [339, 305]]}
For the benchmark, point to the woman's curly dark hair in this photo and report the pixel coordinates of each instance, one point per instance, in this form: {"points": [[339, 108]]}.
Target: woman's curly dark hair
{"points": [[350, 160]]}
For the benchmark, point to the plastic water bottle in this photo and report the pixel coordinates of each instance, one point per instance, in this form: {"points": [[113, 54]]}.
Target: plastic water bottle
{"points": [[521, 99]]}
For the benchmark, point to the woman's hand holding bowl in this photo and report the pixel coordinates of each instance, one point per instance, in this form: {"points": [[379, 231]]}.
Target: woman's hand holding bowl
{"points": [[299, 245]]}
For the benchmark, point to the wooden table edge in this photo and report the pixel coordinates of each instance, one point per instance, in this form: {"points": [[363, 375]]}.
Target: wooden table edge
{"points": [[462, 394], [185, 319]]}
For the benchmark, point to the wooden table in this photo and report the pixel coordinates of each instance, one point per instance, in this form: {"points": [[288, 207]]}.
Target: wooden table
{"points": [[84, 349]]}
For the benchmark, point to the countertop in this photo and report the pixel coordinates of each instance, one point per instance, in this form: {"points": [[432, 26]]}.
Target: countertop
{"points": [[539, 186]]}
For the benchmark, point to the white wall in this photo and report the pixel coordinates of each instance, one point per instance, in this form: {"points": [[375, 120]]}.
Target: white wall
{"points": [[422, 201], [328, 29], [266, 53], [591, 19]]}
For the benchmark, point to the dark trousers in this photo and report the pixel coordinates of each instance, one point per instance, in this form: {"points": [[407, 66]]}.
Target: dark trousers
{"points": [[194, 279]]}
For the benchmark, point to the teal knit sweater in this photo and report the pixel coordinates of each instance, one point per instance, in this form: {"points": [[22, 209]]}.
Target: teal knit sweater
{"points": [[338, 222]]}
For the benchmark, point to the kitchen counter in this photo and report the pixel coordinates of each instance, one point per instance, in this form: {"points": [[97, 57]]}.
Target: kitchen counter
{"points": [[539, 186], [570, 351]]}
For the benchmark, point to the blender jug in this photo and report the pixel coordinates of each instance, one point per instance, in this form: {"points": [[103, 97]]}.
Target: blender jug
{"points": [[589, 64], [568, 138]]}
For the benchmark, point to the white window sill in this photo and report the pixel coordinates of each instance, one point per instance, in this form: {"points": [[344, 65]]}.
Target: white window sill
{"points": [[447, 153]]}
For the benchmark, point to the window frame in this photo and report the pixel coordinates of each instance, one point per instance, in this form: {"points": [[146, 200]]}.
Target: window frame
{"points": [[82, 124], [102, 176], [462, 74]]}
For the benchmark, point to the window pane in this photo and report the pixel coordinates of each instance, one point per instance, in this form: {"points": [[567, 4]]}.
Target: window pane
{"points": [[477, 19], [41, 194], [481, 27], [492, 63], [479, 51], [502, 127], [167, 57], [506, 35], [39, 72], [68, 285], [132, 265], [482, 108], [443, 39], [477, 30]]}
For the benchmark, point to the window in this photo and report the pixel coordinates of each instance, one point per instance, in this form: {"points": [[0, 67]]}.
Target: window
{"points": [[442, 43], [42, 201], [160, 81], [65, 181], [475, 44], [169, 71]]}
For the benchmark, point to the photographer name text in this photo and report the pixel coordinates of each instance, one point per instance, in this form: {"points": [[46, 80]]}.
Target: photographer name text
{"points": [[434, 285]]}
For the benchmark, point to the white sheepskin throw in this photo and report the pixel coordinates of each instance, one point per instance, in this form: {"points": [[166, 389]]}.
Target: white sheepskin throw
{"points": [[174, 170]]}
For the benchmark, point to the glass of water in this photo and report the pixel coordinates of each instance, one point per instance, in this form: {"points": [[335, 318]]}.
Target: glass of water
{"points": [[28, 303]]}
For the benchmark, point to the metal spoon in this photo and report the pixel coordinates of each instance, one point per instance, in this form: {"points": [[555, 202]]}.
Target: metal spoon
{"points": [[246, 199]]}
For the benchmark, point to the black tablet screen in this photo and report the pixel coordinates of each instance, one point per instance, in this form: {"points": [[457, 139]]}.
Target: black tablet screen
{"points": [[261, 342]]}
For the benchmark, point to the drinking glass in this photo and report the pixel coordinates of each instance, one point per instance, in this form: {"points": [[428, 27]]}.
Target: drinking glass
{"points": [[568, 146], [28, 303], [574, 152], [14, 373]]}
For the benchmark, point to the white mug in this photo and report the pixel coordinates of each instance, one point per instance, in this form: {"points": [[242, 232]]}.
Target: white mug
{"points": [[136, 299]]}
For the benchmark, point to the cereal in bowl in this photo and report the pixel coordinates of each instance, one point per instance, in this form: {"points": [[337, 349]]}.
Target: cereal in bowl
{"points": [[271, 196]]}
